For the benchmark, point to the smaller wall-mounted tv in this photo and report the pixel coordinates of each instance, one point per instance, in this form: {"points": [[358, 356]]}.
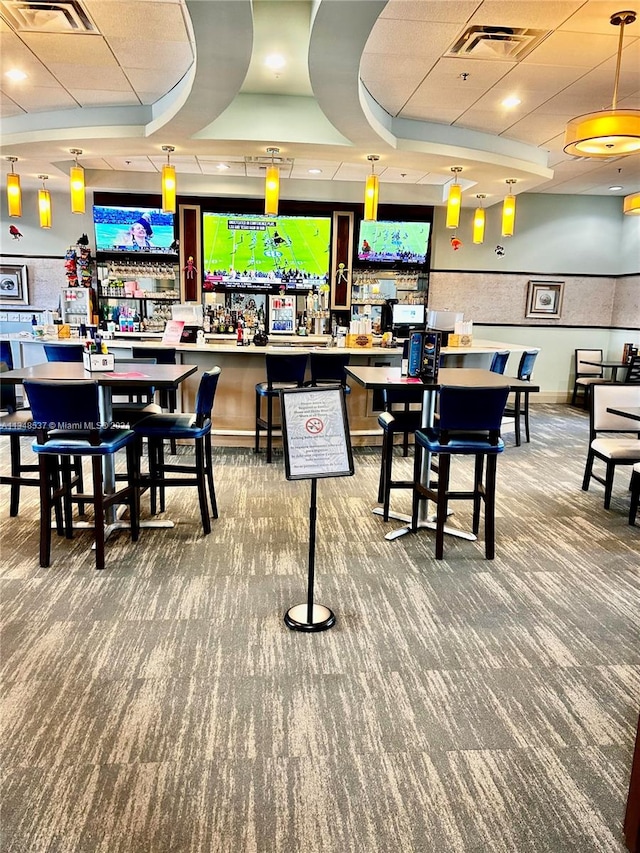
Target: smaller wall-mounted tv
{"points": [[133, 229], [408, 315], [398, 242]]}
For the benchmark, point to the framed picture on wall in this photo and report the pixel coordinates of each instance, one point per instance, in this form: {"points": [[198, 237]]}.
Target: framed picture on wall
{"points": [[13, 285], [544, 299]]}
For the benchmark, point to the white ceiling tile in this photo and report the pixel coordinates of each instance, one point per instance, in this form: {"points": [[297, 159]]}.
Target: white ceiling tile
{"points": [[166, 58], [152, 21], [110, 79], [148, 80], [429, 10], [82, 49], [102, 97], [131, 164], [569, 49], [39, 98], [547, 14], [411, 38]]}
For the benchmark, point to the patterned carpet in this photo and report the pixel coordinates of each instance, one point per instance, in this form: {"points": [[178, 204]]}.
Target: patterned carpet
{"points": [[162, 706]]}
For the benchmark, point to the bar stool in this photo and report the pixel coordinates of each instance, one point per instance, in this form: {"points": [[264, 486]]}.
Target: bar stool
{"points": [[73, 407], [519, 409], [190, 426], [469, 425], [283, 371], [634, 487], [167, 397], [398, 418]]}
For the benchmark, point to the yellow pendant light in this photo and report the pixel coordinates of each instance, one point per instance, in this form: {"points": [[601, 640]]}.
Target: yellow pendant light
{"points": [[454, 200], [168, 182], [606, 133], [44, 203], [631, 204], [479, 220], [76, 184], [272, 185], [509, 211], [14, 193], [371, 192]]}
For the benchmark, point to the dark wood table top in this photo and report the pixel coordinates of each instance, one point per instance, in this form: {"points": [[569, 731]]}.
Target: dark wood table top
{"points": [[631, 412], [136, 375], [385, 377]]}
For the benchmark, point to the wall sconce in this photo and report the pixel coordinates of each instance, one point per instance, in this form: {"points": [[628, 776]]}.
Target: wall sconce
{"points": [[479, 220], [606, 133], [272, 185], [453, 202], [371, 192], [168, 182], [44, 203], [76, 183], [509, 211], [14, 193], [631, 205]]}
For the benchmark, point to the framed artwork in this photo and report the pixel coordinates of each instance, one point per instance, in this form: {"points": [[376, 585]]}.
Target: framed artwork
{"points": [[13, 285], [544, 299]]}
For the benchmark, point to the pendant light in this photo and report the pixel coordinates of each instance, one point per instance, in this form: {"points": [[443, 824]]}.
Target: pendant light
{"points": [[509, 210], [44, 203], [371, 192], [76, 184], [479, 220], [606, 133], [453, 202], [631, 205], [168, 182], [272, 185], [14, 193]]}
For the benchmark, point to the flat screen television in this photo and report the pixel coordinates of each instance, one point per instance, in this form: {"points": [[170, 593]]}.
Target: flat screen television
{"points": [[408, 315], [133, 229], [397, 242], [263, 250]]}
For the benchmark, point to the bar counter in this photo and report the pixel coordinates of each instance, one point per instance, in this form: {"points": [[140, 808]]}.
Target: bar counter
{"points": [[243, 367]]}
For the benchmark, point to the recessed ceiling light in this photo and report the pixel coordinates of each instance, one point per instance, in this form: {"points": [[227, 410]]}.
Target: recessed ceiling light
{"points": [[275, 61], [222, 167], [615, 188], [511, 101], [15, 74], [315, 171]]}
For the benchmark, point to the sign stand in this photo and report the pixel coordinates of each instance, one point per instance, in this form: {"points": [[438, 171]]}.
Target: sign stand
{"points": [[316, 444]]}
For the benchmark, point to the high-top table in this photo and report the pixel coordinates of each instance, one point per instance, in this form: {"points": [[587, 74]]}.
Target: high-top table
{"points": [[614, 366], [134, 375], [390, 377]]}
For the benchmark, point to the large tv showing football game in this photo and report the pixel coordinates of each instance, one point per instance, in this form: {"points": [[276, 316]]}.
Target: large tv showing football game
{"points": [[265, 250], [386, 242], [133, 229]]}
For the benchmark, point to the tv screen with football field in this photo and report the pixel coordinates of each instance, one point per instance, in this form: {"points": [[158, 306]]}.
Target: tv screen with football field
{"points": [[254, 247]]}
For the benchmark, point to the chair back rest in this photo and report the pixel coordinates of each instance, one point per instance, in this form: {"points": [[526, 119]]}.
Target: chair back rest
{"points": [[583, 369], [286, 368], [613, 394], [63, 352], [499, 361], [527, 361], [633, 371], [69, 406], [162, 355], [472, 410], [401, 396], [8, 399], [6, 354], [328, 367], [206, 394]]}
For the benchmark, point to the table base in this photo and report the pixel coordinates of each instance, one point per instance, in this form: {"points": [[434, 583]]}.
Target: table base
{"points": [[427, 523]]}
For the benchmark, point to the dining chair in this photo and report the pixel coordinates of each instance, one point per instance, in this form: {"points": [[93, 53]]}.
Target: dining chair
{"points": [[63, 352], [69, 424], [586, 375], [499, 361], [328, 368], [634, 487], [469, 425], [633, 370], [520, 407], [610, 439], [283, 371], [401, 416], [195, 427]]}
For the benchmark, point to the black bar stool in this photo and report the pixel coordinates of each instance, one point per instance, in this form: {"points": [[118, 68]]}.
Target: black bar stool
{"points": [[398, 418], [283, 371]]}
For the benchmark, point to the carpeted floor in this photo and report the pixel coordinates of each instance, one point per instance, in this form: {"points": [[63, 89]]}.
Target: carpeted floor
{"points": [[162, 706]]}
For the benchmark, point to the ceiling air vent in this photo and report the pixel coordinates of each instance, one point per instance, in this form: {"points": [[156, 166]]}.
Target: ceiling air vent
{"points": [[34, 16], [497, 43]]}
